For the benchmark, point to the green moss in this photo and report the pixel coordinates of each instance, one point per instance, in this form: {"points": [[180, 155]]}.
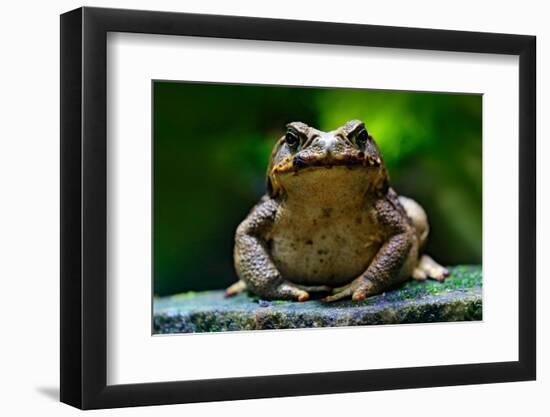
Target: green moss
{"points": [[184, 295], [460, 278], [457, 299]]}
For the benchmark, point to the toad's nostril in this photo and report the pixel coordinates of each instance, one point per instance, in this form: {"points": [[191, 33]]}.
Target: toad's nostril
{"points": [[298, 162]]}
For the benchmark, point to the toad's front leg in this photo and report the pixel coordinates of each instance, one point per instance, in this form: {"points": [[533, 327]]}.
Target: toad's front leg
{"points": [[253, 262], [386, 267]]}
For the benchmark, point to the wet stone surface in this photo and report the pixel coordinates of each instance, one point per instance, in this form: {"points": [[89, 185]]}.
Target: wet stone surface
{"points": [[459, 298]]}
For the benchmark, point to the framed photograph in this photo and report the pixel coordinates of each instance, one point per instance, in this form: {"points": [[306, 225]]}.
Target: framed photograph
{"points": [[257, 208]]}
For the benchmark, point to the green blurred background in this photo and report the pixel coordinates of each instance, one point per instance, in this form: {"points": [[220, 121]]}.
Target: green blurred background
{"points": [[212, 144]]}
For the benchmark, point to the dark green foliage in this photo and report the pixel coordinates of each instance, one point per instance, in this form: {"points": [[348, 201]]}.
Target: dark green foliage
{"points": [[212, 145]]}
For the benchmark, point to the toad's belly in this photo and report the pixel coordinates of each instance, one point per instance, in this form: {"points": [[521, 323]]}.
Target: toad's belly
{"points": [[328, 253]]}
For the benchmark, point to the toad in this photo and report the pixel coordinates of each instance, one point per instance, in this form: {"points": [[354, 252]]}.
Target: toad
{"points": [[330, 222]]}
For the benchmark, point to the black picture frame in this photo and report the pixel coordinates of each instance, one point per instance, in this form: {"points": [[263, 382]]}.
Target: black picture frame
{"points": [[84, 197]]}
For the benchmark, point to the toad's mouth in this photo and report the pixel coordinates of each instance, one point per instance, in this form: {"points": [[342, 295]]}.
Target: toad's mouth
{"points": [[299, 162]]}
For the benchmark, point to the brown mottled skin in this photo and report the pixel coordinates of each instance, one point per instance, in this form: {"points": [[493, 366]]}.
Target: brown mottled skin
{"points": [[330, 222]]}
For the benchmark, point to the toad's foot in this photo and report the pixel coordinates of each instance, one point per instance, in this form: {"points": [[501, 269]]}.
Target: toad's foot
{"points": [[359, 289], [428, 268], [284, 291], [235, 288], [288, 291]]}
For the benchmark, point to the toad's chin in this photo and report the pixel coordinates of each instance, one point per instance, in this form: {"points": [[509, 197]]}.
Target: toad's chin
{"points": [[332, 182]]}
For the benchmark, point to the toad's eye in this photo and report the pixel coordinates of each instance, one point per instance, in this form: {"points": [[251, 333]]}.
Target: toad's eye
{"points": [[361, 137], [292, 139]]}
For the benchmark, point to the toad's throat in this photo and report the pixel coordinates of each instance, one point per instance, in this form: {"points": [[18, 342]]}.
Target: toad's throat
{"points": [[318, 187]]}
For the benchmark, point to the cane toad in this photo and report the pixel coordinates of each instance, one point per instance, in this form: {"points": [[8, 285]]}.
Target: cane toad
{"points": [[330, 222]]}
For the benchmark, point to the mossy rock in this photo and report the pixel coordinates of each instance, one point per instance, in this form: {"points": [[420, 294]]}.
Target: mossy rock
{"points": [[459, 298]]}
